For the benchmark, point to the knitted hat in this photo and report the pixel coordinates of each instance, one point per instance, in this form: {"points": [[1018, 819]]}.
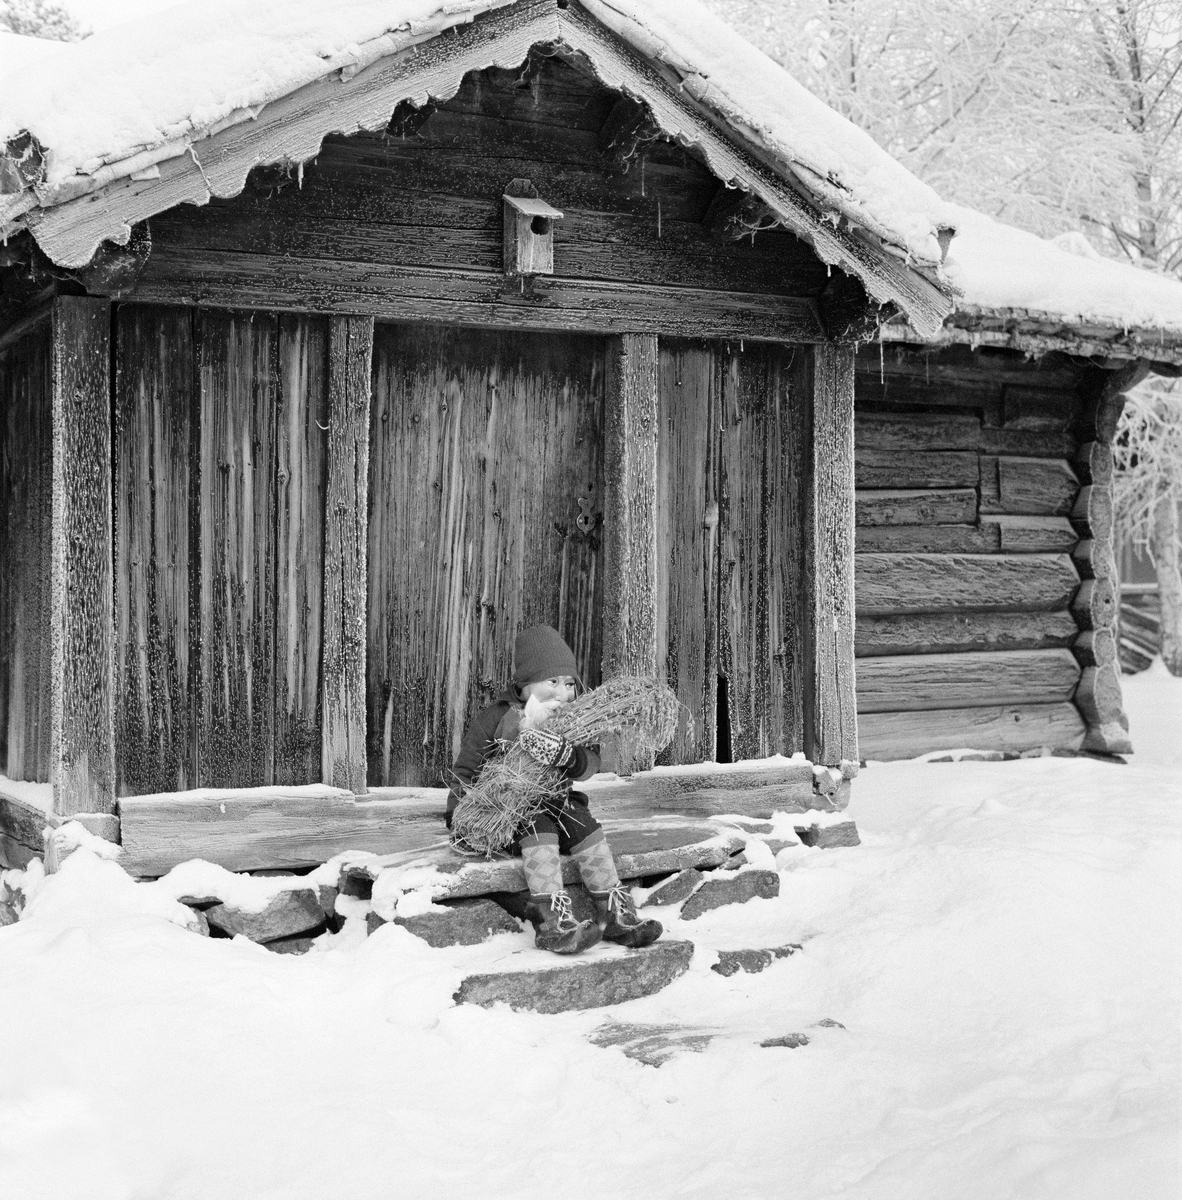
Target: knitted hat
{"points": [[540, 653]]}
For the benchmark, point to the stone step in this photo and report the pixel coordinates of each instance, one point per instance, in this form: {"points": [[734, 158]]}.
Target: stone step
{"points": [[592, 980], [652, 1044]]}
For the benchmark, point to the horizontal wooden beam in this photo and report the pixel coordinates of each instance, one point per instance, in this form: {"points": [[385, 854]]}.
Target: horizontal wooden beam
{"points": [[1035, 486], [220, 279], [905, 506], [262, 828], [897, 583], [1013, 728], [247, 831], [927, 539], [937, 681], [920, 469], [939, 633]]}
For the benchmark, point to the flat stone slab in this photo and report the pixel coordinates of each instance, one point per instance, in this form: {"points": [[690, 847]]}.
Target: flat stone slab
{"points": [[731, 962], [826, 837], [675, 890], [289, 913], [738, 889], [465, 923], [584, 983], [792, 1041], [651, 1044], [639, 848]]}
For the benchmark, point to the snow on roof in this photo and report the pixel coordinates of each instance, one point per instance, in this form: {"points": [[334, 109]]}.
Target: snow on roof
{"points": [[176, 74], [998, 267]]}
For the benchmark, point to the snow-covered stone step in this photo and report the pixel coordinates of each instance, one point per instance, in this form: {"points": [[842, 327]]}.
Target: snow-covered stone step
{"points": [[595, 979]]}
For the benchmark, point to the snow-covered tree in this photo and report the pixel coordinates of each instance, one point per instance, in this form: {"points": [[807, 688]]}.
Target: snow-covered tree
{"points": [[40, 18], [1050, 114], [1148, 491]]}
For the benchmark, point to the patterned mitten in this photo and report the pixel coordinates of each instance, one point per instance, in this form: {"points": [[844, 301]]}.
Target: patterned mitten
{"points": [[546, 749]]}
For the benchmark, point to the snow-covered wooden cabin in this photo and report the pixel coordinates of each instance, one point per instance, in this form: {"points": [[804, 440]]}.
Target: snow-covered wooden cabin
{"points": [[338, 342], [987, 589]]}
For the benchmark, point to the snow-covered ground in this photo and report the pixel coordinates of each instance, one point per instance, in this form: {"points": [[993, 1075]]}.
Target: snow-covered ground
{"points": [[1003, 951]]}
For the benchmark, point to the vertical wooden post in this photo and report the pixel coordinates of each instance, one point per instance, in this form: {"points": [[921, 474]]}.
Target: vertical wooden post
{"points": [[834, 733], [82, 738], [630, 519], [350, 353]]}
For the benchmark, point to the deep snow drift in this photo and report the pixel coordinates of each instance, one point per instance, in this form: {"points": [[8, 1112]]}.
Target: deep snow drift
{"points": [[1003, 950]]}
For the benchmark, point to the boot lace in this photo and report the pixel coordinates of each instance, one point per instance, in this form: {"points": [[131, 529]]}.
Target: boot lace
{"points": [[619, 902], [560, 903]]}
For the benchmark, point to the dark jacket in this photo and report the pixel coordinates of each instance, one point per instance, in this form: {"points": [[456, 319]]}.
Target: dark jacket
{"points": [[499, 722]]}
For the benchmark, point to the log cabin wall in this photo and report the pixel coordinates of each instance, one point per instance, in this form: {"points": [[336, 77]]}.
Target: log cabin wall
{"points": [[26, 488], [972, 625]]}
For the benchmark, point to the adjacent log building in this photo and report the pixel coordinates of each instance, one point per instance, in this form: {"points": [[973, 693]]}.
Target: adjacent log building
{"points": [[515, 312]]}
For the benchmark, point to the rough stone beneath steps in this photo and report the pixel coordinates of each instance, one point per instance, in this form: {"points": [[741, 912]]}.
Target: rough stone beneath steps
{"points": [[793, 1041], [675, 889], [299, 944], [465, 923], [289, 913], [8, 914], [651, 1044], [737, 889], [591, 981], [826, 837], [730, 962]]}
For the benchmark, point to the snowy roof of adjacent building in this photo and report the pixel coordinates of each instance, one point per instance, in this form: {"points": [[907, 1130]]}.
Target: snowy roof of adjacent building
{"points": [[1032, 293]]}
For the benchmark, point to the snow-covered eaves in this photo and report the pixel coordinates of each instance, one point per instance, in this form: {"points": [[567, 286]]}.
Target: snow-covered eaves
{"points": [[1027, 293], [141, 113]]}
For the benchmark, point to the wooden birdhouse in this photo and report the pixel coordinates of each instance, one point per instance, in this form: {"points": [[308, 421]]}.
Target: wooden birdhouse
{"points": [[529, 235]]}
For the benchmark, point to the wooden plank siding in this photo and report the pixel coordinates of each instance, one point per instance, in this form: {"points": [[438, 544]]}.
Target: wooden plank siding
{"points": [[406, 224], [967, 584], [26, 488], [734, 465], [485, 449], [219, 530]]}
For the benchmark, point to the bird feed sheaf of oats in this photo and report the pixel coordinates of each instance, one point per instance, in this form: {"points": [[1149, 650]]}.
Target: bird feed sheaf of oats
{"points": [[512, 788]]}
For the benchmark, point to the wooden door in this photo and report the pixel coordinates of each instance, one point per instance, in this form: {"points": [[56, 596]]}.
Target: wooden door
{"points": [[485, 502], [219, 535], [734, 430]]}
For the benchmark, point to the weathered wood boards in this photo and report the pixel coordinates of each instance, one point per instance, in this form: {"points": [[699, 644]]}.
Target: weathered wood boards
{"points": [[82, 739], [899, 683], [410, 228], [630, 546], [220, 459], [245, 832], [895, 583], [350, 354], [833, 725], [734, 460], [967, 597], [1013, 727], [26, 490], [486, 509]]}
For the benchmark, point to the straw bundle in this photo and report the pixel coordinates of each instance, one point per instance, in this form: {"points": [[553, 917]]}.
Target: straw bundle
{"points": [[512, 789]]}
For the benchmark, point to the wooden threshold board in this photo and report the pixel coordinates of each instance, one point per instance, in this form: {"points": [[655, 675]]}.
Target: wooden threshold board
{"points": [[267, 828]]}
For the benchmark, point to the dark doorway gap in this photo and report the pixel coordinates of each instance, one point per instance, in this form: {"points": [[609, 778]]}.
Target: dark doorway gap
{"points": [[722, 740]]}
